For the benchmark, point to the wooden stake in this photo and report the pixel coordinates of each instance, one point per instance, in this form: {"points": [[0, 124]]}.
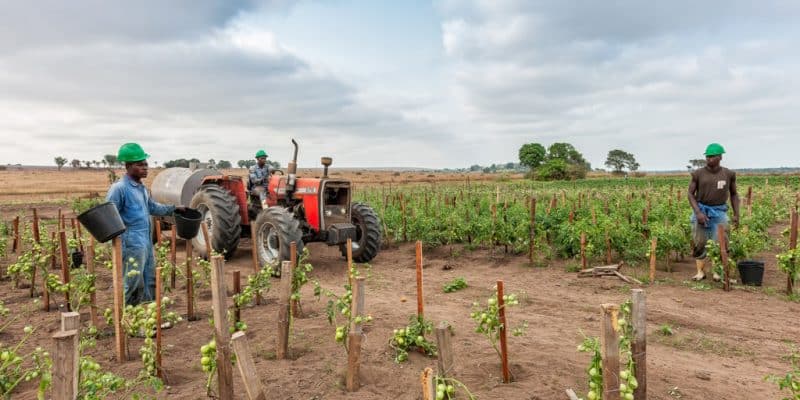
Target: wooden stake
{"points": [[608, 248], [428, 384], [352, 381], [284, 311], [639, 343], [62, 238], [157, 224], [532, 233], [55, 246], [792, 245], [16, 245], [420, 301], [35, 257], [445, 349], [254, 255], [247, 368], [173, 255], [583, 250], [70, 321], [80, 235], [723, 252], [189, 282], [237, 289], [349, 262], [119, 333], [65, 365], [206, 239], [92, 296], [503, 339], [36, 236], [653, 244], [159, 369], [221, 333], [293, 258], [609, 345]]}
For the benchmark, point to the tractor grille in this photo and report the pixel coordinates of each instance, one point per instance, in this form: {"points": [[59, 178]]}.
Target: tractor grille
{"points": [[335, 203]]}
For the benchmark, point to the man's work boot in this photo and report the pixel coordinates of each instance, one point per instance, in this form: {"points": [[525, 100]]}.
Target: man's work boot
{"points": [[700, 264]]}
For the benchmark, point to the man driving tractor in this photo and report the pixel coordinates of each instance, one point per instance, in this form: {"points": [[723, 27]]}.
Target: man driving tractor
{"points": [[259, 177]]}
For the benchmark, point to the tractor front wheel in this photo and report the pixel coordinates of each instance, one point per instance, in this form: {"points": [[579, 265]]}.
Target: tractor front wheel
{"points": [[220, 213], [368, 233], [276, 228]]}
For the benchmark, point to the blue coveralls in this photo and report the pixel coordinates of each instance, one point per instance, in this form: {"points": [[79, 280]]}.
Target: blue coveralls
{"points": [[259, 180], [135, 207]]}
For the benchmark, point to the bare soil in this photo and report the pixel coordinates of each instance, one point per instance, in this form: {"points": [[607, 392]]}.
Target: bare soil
{"points": [[723, 345]]}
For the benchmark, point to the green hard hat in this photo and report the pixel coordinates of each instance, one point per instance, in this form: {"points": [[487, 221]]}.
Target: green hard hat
{"points": [[131, 152], [261, 153], [714, 149]]}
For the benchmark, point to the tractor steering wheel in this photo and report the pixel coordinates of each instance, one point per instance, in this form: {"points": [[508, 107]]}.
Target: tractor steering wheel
{"points": [[275, 171]]}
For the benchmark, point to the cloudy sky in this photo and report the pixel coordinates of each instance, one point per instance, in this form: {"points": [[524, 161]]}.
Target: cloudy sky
{"points": [[401, 83]]}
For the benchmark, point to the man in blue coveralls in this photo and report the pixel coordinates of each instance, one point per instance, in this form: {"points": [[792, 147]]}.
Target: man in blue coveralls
{"points": [[259, 177], [135, 206]]}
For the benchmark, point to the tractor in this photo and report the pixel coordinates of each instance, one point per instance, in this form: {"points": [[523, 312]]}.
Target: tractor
{"points": [[300, 210]]}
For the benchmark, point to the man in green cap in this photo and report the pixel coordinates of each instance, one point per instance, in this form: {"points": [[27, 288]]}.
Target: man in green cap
{"points": [[709, 190], [259, 177], [135, 206]]}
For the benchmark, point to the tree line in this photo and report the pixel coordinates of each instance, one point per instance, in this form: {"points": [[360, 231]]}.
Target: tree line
{"points": [[110, 161]]}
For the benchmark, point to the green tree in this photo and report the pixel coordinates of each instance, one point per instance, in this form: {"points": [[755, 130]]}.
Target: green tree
{"points": [[224, 164], [698, 163], [75, 163], [110, 159], [619, 159], [532, 155], [566, 152], [60, 162], [554, 169], [246, 163], [563, 161]]}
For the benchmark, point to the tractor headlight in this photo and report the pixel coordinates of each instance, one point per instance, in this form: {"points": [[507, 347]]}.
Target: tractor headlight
{"points": [[343, 210], [328, 213]]}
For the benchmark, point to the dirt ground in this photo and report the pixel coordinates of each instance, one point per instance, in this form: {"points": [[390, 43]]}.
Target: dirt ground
{"points": [[722, 347]]}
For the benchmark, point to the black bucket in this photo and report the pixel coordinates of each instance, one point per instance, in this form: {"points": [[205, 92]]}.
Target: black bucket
{"points": [[103, 222], [751, 272], [188, 223], [77, 259]]}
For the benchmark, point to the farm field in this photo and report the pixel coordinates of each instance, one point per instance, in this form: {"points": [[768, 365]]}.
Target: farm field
{"points": [[721, 346]]}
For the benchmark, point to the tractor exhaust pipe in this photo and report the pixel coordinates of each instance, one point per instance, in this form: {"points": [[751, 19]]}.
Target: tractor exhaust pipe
{"points": [[326, 162], [292, 172]]}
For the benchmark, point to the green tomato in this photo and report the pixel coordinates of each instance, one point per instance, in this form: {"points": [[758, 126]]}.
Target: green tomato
{"points": [[624, 374], [591, 395], [205, 361]]}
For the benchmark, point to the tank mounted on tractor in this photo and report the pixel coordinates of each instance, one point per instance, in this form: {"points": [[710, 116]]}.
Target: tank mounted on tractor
{"points": [[302, 210]]}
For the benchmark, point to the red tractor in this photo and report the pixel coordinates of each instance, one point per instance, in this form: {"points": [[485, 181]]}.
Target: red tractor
{"points": [[302, 210]]}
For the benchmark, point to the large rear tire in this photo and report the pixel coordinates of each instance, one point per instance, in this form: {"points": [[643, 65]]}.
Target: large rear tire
{"points": [[276, 228], [368, 233], [220, 212]]}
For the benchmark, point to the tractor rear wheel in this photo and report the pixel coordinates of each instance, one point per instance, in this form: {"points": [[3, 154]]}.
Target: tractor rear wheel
{"points": [[276, 228], [368, 233], [220, 212]]}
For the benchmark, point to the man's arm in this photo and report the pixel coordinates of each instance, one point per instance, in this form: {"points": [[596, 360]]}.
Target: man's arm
{"points": [[115, 196], [734, 200], [159, 209], [701, 218]]}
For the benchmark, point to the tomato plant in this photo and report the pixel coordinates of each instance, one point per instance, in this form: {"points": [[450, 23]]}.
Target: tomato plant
{"points": [[412, 337]]}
